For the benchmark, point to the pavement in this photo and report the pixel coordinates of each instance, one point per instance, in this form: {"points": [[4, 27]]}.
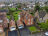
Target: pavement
{"points": [[24, 32], [38, 34], [3, 34], [12, 33]]}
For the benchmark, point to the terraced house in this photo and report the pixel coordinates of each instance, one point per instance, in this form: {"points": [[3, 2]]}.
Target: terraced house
{"points": [[26, 18], [3, 18]]}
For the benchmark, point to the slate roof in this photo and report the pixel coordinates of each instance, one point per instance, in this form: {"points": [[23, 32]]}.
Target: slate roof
{"points": [[3, 10], [42, 14]]}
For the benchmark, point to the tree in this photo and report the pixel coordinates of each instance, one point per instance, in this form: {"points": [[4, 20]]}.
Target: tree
{"points": [[46, 2], [46, 8], [37, 7], [11, 10], [43, 26], [18, 6]]}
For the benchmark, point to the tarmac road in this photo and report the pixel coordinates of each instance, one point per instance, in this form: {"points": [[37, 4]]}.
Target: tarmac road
{"points": [[12, 33], [24, 32]]}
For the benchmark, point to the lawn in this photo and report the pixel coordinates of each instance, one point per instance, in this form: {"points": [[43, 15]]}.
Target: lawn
{"points": [[12, 8], [14, 12], [33, 28], [15, 15], [8, 16]]}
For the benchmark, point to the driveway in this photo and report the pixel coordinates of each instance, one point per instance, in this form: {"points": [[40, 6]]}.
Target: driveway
{"points": [[24, 32], [12, 33]]}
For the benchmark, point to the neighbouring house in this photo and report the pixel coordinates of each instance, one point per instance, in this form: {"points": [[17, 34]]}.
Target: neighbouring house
{"points": [[40, 15], [20, 24], [12, 25], [3, 18], [37, 14], [28, 19], [2, 5], [41, 4], [45, 17]]}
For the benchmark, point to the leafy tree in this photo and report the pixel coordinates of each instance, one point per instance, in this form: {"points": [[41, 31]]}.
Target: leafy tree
{"points": [[19, 6], [43, 26], [37, 7], [46, 8], [11, 10], [16, 9]]}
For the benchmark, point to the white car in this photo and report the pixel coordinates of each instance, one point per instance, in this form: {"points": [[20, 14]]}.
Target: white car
{"points": [[46, 33], [21, 26], [12, 28]]}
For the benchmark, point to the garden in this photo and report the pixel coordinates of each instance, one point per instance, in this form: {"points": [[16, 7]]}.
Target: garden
{"points": [[14, 12], [33, 29]]}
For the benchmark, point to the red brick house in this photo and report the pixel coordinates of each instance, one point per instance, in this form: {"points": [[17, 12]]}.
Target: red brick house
{"points": [[26, 18]]}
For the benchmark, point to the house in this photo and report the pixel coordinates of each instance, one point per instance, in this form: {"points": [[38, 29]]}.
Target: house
{"points": [[20, 24], [12, 25], [3, 18], [2, 5], [28, 19], [40, 15], [45, 17]]}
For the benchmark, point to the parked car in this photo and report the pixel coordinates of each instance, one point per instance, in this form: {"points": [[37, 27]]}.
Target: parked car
{"points": [[20, 24], [46, 33], [12, 25], [1, 28]]}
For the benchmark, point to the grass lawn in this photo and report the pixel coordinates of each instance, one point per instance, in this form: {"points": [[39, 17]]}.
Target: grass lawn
{"points": [[8, 16], [32, 28], [12, 8], [15, 14]]}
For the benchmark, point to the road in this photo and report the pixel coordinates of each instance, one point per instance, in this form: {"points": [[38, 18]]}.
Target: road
{"points": [[12, 33], [24, 32]]}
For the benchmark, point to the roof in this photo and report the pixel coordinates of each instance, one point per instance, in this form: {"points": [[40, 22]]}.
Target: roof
{"points": [[42, 14], [3, 10]]}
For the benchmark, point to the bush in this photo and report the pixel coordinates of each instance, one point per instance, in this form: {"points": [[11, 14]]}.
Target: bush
{"points": [[43, 26]]}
